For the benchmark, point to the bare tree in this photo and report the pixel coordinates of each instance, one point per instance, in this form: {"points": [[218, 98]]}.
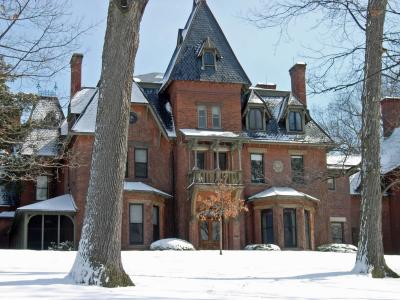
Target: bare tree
{"points": [[358, 28], [370, 258], [219, 205], [98, 261]]}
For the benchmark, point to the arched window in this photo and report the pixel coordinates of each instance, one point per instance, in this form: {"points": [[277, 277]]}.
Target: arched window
{"points": [[255, 119]]}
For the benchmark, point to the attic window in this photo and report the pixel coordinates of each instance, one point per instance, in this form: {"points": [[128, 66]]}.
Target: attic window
{"points": [[295, 121], [255, 119], [209, 59]]}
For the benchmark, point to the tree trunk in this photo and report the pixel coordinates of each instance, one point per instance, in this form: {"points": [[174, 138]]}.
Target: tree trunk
{"points": [[370, 258], [220, 236], [98, 261]]}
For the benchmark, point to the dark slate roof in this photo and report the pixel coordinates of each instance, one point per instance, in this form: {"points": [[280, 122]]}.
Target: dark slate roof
{"points": [[185, 63], [277, 103]]}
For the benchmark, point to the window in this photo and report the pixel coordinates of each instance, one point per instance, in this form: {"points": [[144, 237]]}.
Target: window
{"points": [[133, 118], [297, 169], [201, 160], [141, 163], [136, 224], [337, 230], [331, 183], [267, 223], [257, 168], [202, 116], [295, 121], [289, 223], [42, 188], [255, 119], [216, 116], [204, 231], [223, 161], [209, 59], [307, 226], [156, 223]]}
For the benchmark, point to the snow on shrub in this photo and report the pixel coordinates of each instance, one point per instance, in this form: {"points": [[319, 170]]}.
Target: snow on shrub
{"points": [[171, 244], [265, 247], [343, 248], [62, 246]]}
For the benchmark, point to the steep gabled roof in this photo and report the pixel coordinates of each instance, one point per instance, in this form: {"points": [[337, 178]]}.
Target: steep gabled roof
{"points": [[47, 107], [201, 28]]}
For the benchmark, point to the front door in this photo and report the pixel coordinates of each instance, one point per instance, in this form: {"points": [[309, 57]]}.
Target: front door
{"points": [[209, 233]]}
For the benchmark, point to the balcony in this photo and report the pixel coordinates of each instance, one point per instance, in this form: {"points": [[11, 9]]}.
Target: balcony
{"points": [[214, 176], [9, 198]]}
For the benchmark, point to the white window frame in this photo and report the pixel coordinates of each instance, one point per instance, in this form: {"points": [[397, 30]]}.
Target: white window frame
{"points": [[40, 186]]}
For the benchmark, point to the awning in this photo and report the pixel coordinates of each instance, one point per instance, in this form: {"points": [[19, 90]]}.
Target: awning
{"points": [[64, 204], [282, 192], [143, 188]]}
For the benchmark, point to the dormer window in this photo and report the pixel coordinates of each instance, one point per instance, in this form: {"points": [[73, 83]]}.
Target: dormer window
{"points": [[209, 59], [255, 119], [295, 121]]}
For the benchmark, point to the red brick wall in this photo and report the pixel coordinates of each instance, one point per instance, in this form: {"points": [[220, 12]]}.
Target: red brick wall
{"points": [[314, 166], [340, 205], [5, 225], [186, 95], [390, 108]]}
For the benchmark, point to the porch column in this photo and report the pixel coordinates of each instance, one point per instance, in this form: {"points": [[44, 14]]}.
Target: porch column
{"points": [[162, 221], [194, 232], [301, 230], [312, 229], [239, 147], [147, 223], [278, 226]]}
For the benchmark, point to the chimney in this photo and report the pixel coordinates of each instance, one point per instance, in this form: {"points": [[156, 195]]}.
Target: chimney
{"points": [[76, 73], [267, 86], [390, 108], [298, 79]]}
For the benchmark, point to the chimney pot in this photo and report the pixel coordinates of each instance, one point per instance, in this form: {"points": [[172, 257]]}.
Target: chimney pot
{"points": [[298, 80], [76, 73]]}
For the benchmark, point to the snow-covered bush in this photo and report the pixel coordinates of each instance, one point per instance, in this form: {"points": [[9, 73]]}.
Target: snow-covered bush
{"points": [[343, 248], [63, 246], [265, 247], [171, 244]]}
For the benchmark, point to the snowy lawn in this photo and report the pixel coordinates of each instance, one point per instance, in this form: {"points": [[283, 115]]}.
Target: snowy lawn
{"points": [[202, 275]]}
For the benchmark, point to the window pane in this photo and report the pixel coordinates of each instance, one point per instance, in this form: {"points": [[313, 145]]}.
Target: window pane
{"points": [[201, 160], [289, 222], [298, 121], [337, 232], [216, 116], [42, 182], [215, 231], [297, 169], [141, 155], [267, 224], [331, 183], [41, 194], [155, 215], [136, 233], [209, 58], [202, 116], [204, 231], [257, 168], [295, 121], [136, 213], [255, 119]]}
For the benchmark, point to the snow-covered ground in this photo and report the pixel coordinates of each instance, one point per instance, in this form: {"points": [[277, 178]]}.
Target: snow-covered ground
{"points": [[163, 275]]}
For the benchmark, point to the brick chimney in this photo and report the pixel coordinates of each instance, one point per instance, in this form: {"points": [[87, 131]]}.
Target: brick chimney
{"points": [[390, 108], [267, 86], [76, 73], [298, 79]]}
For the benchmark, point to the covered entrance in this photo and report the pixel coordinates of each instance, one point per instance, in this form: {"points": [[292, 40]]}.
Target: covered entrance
{"points": [[210, 234], [48, 223]]}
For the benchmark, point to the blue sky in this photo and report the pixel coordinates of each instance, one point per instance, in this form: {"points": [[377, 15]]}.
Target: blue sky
{"points": [[262, 57]]}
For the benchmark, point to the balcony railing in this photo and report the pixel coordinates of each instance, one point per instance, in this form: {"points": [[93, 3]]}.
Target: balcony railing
{"points": [[9, 198], [215, 176]]}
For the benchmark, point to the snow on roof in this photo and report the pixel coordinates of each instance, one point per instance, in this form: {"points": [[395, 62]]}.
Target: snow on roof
{"points": [[137, 95], [41, 142], [286, 192], [142, 187], [7, 214], [209, 133], [64, 203], [44, 107], [64, 128], [355, 182], [390, 152], [342, 161], [87, 121], [81, 99]]}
